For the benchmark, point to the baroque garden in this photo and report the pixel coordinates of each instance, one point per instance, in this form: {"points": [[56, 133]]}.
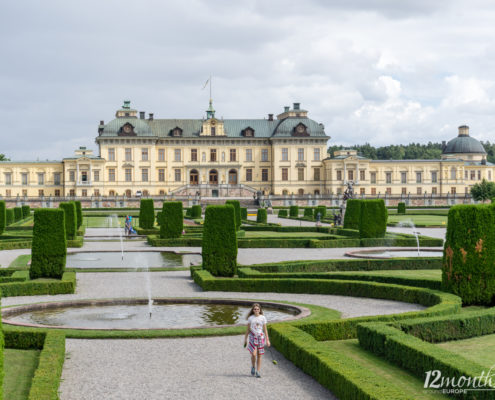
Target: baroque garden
{"points": [[128, 274]]}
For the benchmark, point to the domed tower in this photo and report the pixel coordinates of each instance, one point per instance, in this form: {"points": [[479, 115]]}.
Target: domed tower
{"points": [[464, 147]]}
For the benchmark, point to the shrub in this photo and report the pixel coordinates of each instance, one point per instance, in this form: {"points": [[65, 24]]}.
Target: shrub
{"points": [[49, 248], [188, 212], [9, 216], [158, 218], [401, 208], [237, 210], [322, 210], [282, 213], [3, 217], [146, 214], [219, 246], [373, 219], [352, 214], [26, 211], [79, 213], [294, 211], [308, 212], [172, 221], [469, 254], [196, 211], [261, 216], [17, 213], [244, 213], [70, 219]]}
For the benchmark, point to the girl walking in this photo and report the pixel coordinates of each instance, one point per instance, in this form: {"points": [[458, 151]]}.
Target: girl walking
{"points": [[257, 332]]}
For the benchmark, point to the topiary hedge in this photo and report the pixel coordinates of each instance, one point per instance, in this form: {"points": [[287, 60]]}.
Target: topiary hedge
{"points": [[244, 213], [469, 254], [261, 216], [294, 211], [401, 208], [322, 210], [69, 209], [373, 219], [196, 211], [17, 214], [26, 211], [49, 248], [352, 214], [308, 212], [219, 245], [9, 216], [78, 213], [3, 217], [282, 213], [237, 209], [172, 220], [146, 214], [158, 218]]}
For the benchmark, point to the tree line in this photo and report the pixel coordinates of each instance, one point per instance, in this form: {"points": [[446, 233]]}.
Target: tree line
{"points": [[411, 151]]}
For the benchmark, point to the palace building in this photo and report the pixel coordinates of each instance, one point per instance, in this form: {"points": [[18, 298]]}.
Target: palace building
{"points": [[216, 157]]}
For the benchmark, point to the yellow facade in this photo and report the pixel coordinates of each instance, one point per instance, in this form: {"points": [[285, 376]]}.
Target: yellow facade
{"points": [[216, 157]]}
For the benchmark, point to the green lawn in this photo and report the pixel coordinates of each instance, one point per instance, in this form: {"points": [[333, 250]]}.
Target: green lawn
{"points": [[411, 385], [420, 220], [106, 222], [282, 235], [479, 349], [21, 261], [19, 368], [416, 273]]}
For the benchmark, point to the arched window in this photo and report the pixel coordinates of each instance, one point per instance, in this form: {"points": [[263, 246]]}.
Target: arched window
{"points": [[317, 191], [300, 192], [193, 177], [213, 177], [128, 193], [146, 193], [162, 192], [232, 177], [111, 193], [285, 192]]}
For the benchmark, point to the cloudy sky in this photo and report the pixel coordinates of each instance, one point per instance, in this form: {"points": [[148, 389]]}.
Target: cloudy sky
{"points": [[377, 71]]}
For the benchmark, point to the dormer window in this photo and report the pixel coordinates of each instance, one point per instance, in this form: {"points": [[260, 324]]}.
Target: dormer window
{"points": [[176, 131], [248, 132], [127, 130], [300, 130], [213, 131]]}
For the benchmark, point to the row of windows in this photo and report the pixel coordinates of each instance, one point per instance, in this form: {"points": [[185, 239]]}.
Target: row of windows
{"points": [[419, 176], [213, 154], [24, 178], [404, 191]]}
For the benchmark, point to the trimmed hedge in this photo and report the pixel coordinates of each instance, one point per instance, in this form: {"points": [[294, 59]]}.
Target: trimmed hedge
{"points": [[158, 218], [237, 209], [69, 209], [352, 214], [172, 221], [469, 254], [196, 211], [49, 248], [244, 213], [219, 245], [282, 213], [373, 219], [146, 214], [79, 215], [3, 217], [294, 211], [17, 214], [308, 212], [66, 285], [261, 216], [9, 218], [401, 208], [320, 209], [26, 211]]}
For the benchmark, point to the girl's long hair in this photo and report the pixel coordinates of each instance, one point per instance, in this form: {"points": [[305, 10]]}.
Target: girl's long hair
{"points": [[252, 310]]}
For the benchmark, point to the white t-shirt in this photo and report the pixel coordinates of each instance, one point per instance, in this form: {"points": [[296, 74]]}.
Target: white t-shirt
{"points": [[256, 323]]}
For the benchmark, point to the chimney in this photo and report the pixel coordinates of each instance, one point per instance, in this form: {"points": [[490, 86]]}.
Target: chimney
{"points": [[483, 161], [464, 130], [270, 117], [286, 109], [296, 106], [151, 117], [102, 122], [141, 114]]}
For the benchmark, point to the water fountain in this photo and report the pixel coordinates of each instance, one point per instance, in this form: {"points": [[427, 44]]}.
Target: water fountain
{"points": [[410, 224]]}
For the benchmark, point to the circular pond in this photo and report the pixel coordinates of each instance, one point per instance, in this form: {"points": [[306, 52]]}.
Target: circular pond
{"points": [[131, 259], [396, 253], [135, 314]]}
